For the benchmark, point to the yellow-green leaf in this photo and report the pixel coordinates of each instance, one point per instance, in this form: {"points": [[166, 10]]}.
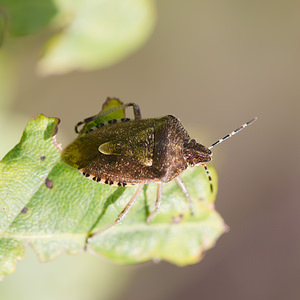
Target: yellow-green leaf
{"points": [[49, 204]]}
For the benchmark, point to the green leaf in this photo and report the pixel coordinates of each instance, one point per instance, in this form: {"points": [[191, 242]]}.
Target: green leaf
{"points": [[27, 17], [174, 235], [24, 168], [2, 26], [97, 34], [51, 206]]}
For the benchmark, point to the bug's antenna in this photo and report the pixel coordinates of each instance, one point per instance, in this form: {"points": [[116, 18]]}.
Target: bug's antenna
{"points": [[232, 133], [209, 177]]}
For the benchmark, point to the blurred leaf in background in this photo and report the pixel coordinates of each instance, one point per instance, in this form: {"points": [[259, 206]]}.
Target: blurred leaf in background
{"points": [[27, 17], [97, 33], [92, 33], [68, 277], [3, 23]]}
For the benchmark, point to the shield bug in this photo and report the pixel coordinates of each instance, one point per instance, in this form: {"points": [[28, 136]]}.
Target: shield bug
{"points": [[122, 151]]}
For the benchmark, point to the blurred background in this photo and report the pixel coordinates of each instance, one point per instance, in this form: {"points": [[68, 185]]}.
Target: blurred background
{"points": [[214, 65]]}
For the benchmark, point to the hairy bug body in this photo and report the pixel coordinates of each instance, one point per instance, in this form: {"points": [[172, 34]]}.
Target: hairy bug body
{"points": [[140, 151]]}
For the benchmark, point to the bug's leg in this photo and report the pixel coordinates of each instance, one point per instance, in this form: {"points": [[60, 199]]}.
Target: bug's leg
{"points": [[136, 111], [186, 193], [122, 215], [157, 203], [209, 177]]}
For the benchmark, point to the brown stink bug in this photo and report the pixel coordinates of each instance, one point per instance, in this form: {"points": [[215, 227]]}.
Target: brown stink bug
{"points": [[139, 151]]}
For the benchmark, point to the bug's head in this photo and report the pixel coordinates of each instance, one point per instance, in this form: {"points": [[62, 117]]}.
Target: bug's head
{"points": [[195, 153]]}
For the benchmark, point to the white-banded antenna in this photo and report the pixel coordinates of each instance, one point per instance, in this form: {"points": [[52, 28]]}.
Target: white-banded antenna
{"points": [[232, 133]]}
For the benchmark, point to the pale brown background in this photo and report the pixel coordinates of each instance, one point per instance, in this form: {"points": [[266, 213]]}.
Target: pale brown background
{"points": [[214, 65]]}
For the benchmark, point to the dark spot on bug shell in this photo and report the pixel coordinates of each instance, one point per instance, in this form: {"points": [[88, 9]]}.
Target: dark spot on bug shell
{"points": [[125, 119], [119, 183], [124, 183], [94, 178], [42, 157], [111, 182], [24, 210], [87, 175], [98, 179], [106, 181], [49, 183]]}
